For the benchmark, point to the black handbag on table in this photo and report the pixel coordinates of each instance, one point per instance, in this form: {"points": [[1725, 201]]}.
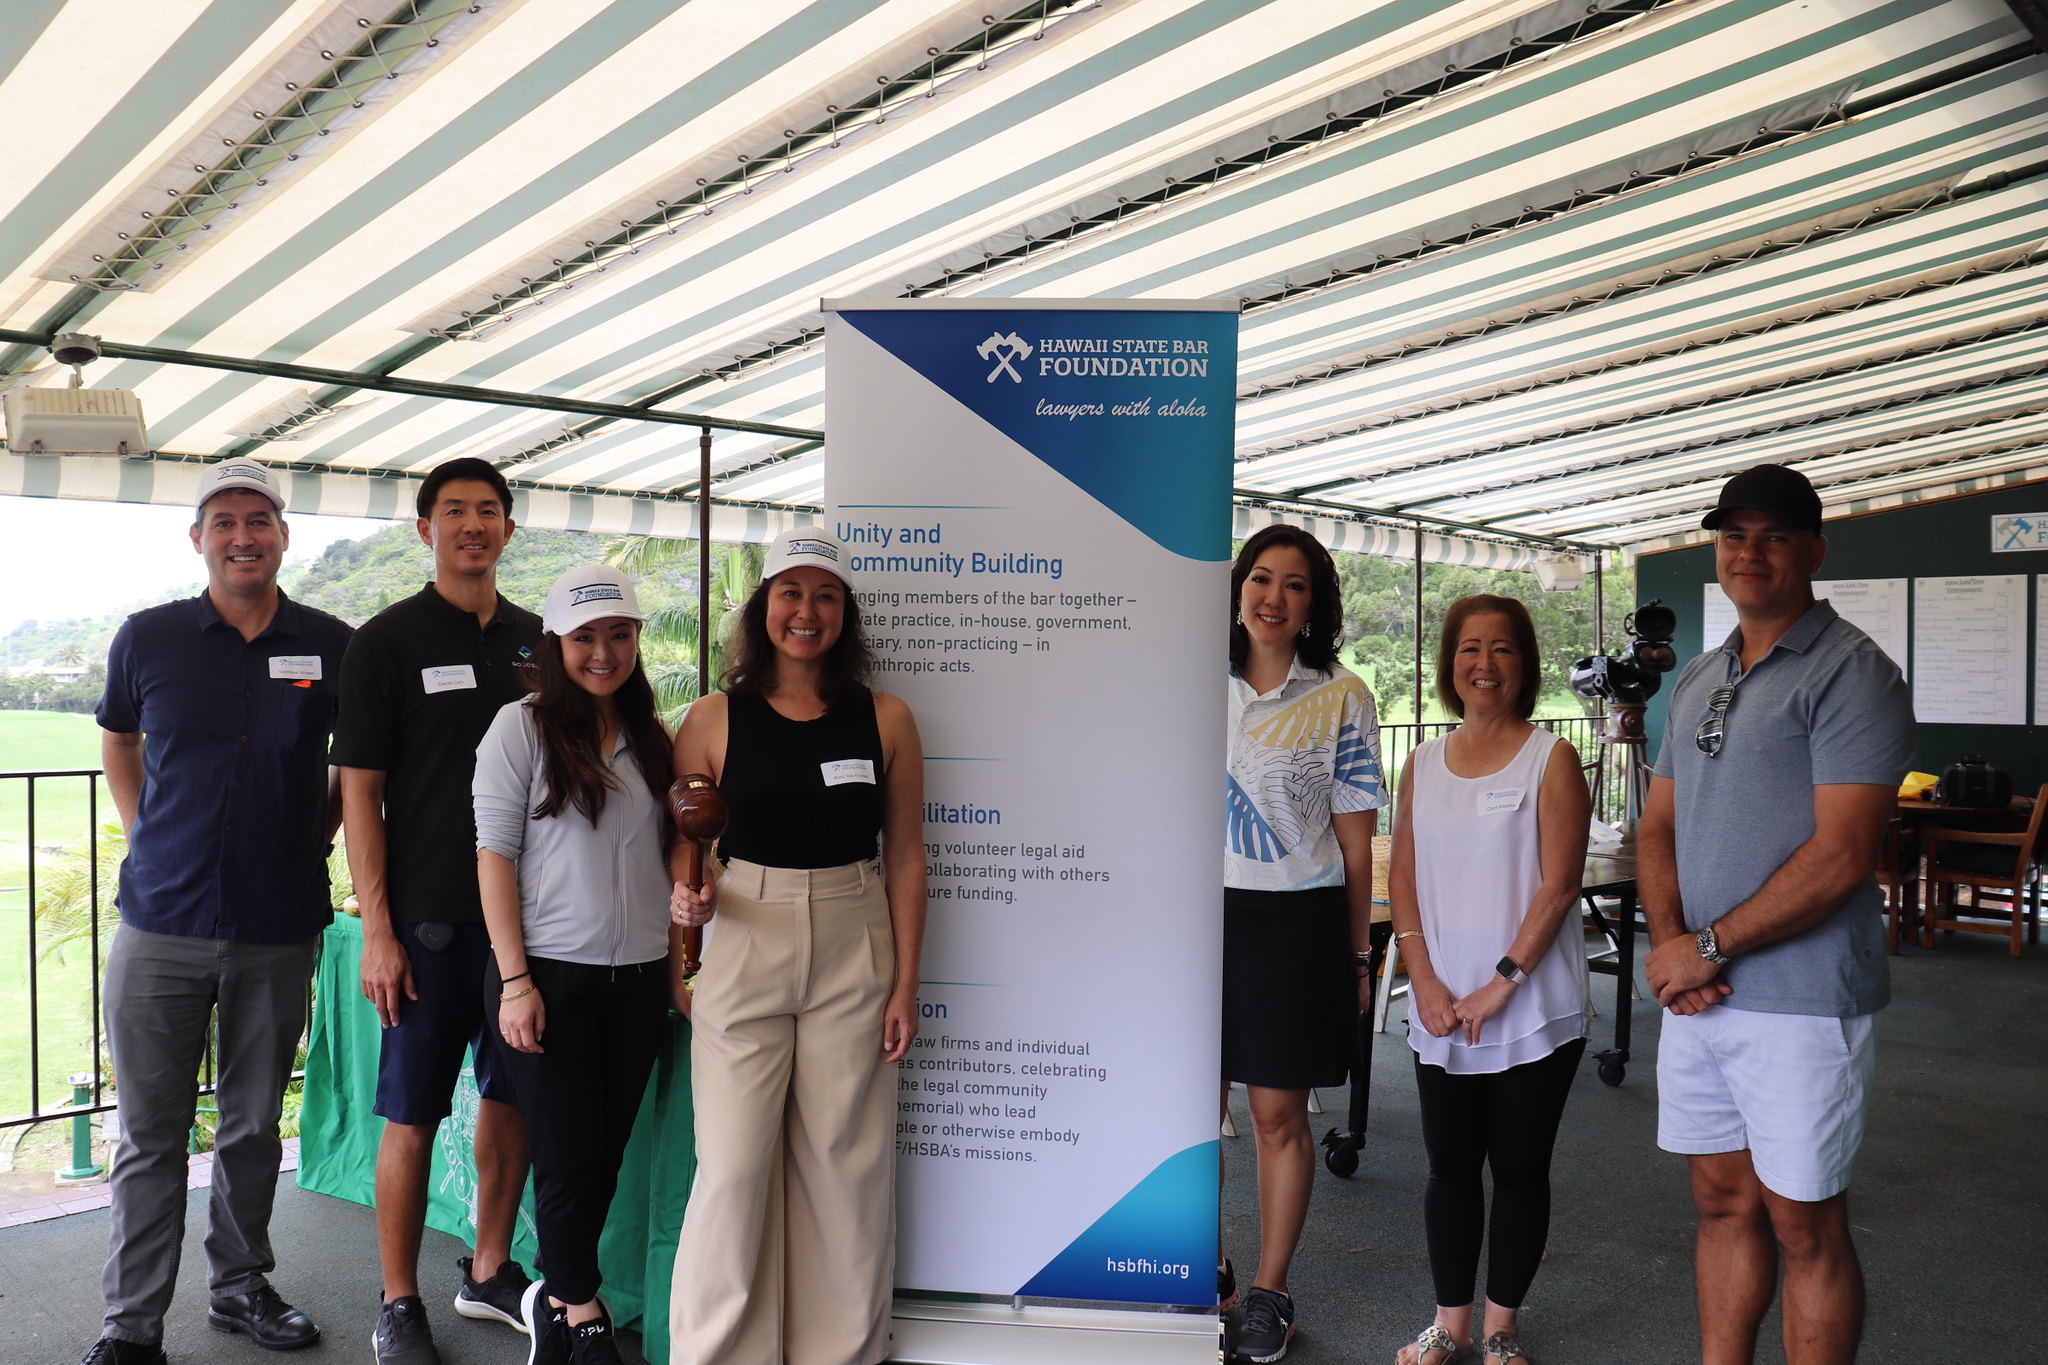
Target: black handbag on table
{"points": [[1973, 782]]}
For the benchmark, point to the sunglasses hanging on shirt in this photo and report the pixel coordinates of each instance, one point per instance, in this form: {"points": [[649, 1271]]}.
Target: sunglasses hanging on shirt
{"points": [[1709, 736]]}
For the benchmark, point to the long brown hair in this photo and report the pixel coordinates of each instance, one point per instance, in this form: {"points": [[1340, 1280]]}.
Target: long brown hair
{"points": [[843, 671], [567, 720]]}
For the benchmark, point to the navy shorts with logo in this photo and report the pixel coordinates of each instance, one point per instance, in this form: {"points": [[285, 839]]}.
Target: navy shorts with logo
{"points": [[421, 1055]]}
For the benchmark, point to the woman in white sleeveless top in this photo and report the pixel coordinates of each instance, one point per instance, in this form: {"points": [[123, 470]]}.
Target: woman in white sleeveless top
{"points": [[1489, 841]]}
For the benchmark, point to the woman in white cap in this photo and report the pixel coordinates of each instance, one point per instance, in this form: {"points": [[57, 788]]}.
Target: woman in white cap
{"points": [[808, 990], [572, 842]]}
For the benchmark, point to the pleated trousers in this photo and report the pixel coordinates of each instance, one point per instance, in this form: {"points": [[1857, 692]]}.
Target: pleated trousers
{"points": [[788, 1247]]}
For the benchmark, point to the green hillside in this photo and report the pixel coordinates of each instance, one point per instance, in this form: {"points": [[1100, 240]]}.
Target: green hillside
{"points": [[354, 579]]}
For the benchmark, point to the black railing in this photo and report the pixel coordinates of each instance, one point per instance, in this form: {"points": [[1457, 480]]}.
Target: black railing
{"points": [[27, 800], [31, 803], [1397, 741]]}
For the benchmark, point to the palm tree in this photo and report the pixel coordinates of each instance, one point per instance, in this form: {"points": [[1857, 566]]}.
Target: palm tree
{"points": [[669, 638]]}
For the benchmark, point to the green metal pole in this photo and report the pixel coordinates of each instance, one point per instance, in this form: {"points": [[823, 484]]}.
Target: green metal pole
{"points": [[82, 1167]]}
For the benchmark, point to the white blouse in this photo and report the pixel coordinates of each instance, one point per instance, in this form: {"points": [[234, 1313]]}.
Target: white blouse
{"points": [[1478, 868]]}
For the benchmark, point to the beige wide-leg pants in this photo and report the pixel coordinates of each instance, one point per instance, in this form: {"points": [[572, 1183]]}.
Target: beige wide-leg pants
{"points": [[788, 1248]]}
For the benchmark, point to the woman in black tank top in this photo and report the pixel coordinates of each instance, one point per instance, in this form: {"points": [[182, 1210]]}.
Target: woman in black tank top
{"points": [[808, 991]]}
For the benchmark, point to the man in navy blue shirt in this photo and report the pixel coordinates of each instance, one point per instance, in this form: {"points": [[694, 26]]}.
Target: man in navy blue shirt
{"points": [[215, 726]]}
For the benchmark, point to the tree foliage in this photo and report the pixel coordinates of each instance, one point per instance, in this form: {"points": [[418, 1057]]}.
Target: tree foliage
{"points": [[668, 642], [1379, 627]]}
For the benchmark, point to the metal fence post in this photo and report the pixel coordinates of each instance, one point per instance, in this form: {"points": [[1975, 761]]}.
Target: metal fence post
{"points": [[82, 1166]]}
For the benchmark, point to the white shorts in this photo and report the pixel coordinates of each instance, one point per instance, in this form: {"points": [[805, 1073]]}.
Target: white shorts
{"points": [[1790, 1089]]}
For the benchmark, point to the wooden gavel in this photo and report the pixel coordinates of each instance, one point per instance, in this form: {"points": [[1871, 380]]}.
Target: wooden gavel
{"points": [[700, 815]]}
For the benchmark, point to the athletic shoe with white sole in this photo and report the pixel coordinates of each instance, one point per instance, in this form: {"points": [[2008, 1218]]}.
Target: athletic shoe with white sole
{"points": [[546, 1325], [402, 1336], [496, 1299], [1268, 1324]]}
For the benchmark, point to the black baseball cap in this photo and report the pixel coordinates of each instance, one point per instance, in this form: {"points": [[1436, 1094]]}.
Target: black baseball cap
{"points": [[1772, 489]]}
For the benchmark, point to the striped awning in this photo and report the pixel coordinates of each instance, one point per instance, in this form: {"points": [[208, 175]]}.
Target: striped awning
{"points": [[1518, 277]]}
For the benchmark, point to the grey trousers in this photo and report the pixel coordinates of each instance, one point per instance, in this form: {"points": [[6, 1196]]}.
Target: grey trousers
{"points": [[161, 991]]}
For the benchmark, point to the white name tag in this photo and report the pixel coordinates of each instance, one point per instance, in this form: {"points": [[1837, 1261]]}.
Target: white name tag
{"points": [[1499, 800], [448, 678], [840, 771], [296, 666]]}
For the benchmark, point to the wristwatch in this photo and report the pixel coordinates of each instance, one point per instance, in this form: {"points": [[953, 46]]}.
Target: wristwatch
{"points": [[1710, 947], [1511, 970]]}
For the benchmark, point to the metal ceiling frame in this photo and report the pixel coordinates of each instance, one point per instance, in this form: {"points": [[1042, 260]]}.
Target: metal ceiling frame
{"points": [[1946, 280], [418, 388], [811, 439], [390, 48], [1793, 381], [1027, 25], [1601, 20]]}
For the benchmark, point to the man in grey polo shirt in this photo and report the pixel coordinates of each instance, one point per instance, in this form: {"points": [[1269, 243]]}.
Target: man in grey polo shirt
{"points": [[1782, 756]]}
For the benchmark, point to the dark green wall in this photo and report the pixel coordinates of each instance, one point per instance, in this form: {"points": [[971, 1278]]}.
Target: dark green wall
{"points": [[1927, 540]]}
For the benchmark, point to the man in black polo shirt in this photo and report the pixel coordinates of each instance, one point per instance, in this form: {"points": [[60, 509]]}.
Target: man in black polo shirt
{"points": [[214, 735], [421, 683]]}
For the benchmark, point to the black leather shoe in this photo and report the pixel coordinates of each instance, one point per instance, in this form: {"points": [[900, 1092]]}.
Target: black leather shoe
{"points": [[264, 1318], [117, 1351]]}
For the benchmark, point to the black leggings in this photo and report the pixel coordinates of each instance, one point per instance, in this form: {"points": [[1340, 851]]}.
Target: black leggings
{"points": [[578, 1098], [1506, 1120]]}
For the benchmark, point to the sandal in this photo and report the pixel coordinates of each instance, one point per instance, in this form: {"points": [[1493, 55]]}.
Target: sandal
{"points": [[1503, 1347], [1435, 1338]]}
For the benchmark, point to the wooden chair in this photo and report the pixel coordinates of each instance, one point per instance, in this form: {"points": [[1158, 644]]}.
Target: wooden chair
{"points": [[1898, 872], [2008, 865]]}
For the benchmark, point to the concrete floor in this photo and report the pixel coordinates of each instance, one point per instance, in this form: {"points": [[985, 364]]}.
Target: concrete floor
{"points": [[1947, 1205], [1947, 1202]]}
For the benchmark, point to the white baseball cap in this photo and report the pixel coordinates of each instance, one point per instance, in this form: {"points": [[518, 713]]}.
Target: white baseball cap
{"points": [[586, 593], [219, 478], [796, 549]]}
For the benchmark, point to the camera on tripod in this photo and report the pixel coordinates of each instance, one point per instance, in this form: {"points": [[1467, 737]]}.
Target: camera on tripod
{"points": [[1630, 677]]}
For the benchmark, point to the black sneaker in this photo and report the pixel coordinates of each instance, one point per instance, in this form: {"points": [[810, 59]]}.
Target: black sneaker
{"points": [[496, 1299], [590, 1343], [1268, 1323], [1226, 1286], [547, 1327], [119, 1351], [402, 1336]]}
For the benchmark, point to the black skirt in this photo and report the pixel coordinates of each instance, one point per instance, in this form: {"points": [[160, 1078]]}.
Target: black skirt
{"points": [[1290, 988]]}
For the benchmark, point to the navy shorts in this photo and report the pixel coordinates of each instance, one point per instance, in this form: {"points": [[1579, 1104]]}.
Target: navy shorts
{"points": [[421, 1054]]}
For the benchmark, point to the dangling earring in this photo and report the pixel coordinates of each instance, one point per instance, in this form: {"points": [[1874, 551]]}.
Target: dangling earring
{"points": [[1304, 631], [1237, 617]]}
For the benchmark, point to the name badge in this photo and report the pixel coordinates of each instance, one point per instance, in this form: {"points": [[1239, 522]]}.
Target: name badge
{"points": [[447, 678], [298, 667], [841, 771], [1499, 800]]}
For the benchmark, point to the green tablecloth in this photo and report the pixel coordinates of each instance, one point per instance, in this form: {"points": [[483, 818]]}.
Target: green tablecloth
{"points": [[338, 1137]]}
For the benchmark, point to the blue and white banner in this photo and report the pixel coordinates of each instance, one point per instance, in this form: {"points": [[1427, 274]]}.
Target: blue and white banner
{"points": [[1037, 496]]}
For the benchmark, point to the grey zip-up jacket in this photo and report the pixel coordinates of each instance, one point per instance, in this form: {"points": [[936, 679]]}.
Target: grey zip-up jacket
{"points": [[592, 894]]}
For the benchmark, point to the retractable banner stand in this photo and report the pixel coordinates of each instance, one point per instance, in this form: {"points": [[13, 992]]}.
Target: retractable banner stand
{"points": [[1036, 497]]}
